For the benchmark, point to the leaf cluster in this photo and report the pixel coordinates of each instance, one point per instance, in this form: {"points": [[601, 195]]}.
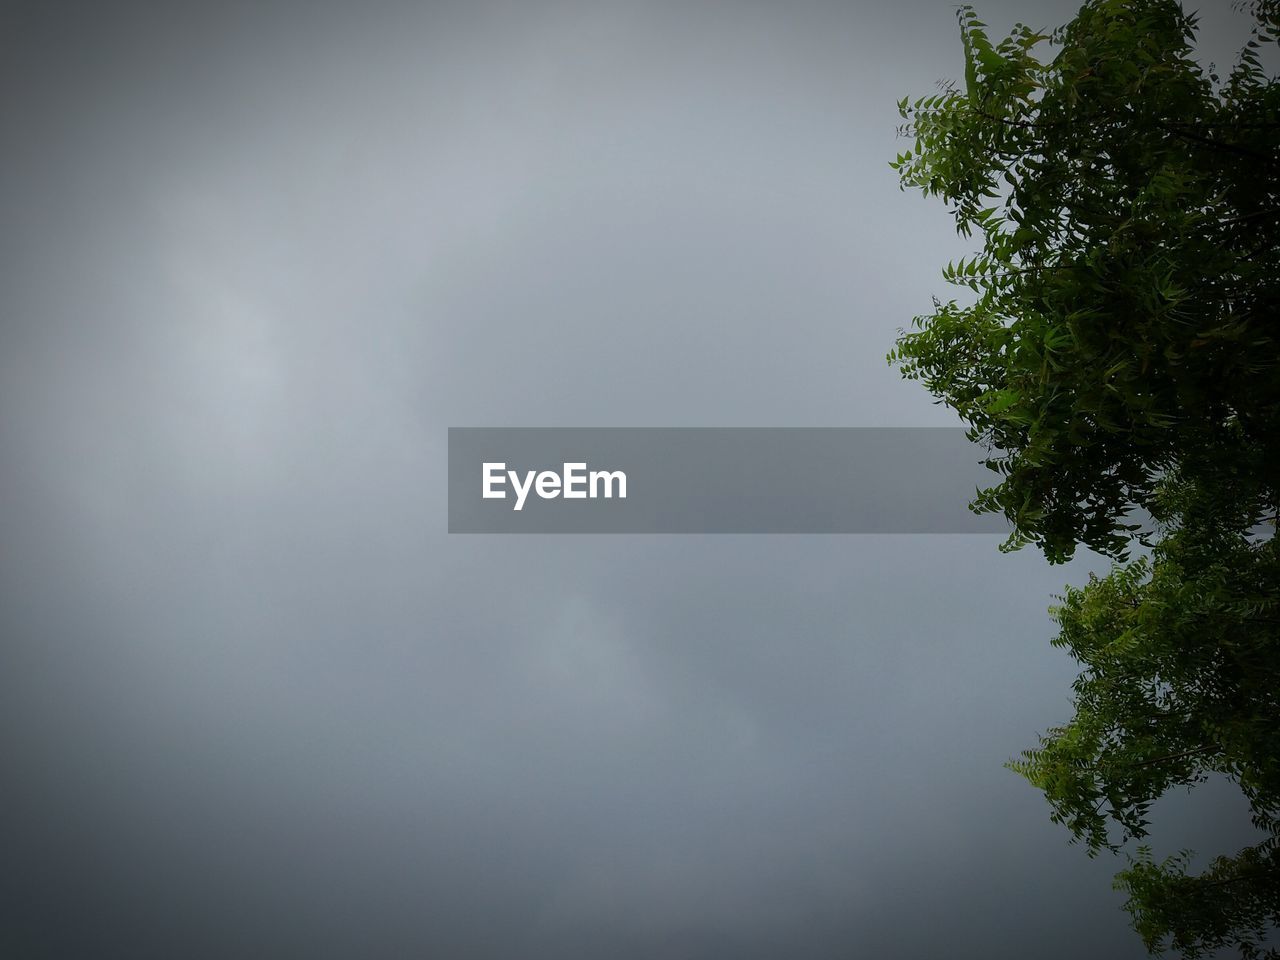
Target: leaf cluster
{"points": [[1181, 681], [1115, 345], [1122, 319]]}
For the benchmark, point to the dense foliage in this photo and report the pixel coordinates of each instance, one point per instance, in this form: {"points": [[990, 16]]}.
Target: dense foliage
{"points": [[1119, 356], [1181, 680], [1129, 277]]}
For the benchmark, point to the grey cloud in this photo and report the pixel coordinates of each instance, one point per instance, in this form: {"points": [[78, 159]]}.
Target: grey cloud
{"points": [[254, 701]]}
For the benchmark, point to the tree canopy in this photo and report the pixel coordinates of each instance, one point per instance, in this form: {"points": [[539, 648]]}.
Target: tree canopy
{"points": [[1118, 353], [1127, 287]]}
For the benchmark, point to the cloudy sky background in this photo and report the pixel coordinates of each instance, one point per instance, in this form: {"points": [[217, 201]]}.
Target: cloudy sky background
{"points": [[255, 702]]}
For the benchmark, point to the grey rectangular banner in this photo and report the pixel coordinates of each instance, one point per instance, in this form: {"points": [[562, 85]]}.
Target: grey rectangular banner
{"points": [[716, 480]]}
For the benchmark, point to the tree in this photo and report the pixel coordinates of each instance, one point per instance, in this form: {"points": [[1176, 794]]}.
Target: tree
{"points": [[1181, 680], [1118, 353], [1129, 277]]}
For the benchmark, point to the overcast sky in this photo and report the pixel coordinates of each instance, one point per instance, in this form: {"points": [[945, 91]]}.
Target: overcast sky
{"points": [[255, 702]]}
